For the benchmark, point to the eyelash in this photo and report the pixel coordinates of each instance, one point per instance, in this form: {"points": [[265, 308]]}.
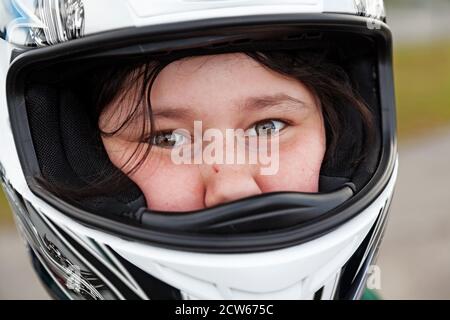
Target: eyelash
{"points": [[152, 138]]}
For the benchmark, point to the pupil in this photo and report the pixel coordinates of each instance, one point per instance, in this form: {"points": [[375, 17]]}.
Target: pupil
{"points": [[166, 139], [265, 127]]}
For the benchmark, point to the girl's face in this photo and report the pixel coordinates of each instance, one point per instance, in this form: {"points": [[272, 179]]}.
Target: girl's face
{"points": [[226, 91]]}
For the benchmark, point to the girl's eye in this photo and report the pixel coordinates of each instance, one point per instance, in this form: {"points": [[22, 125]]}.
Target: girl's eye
{"points": [[169, 139], [266, 128]]}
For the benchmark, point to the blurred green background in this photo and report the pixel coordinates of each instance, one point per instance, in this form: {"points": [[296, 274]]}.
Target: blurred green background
{"points": [[5, 216], [422, 80]]}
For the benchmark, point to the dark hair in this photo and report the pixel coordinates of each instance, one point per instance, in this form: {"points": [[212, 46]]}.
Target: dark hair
{"points": [[342, 108]]}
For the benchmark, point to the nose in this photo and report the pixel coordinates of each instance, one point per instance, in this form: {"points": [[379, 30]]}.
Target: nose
{"points": [[225, 183]]}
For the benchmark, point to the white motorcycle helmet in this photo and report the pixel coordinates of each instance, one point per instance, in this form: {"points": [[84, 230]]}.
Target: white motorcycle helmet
{"points": [[284, 245]]}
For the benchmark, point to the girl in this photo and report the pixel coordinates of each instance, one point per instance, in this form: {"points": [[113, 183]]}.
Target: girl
{"points": [[298, 98]]}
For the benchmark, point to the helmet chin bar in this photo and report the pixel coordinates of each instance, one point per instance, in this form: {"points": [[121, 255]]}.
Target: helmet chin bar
{"points": [[254, 214], [318, 269]]}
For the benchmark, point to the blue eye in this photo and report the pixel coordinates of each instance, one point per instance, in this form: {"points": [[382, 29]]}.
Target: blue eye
{"points": [[169, 139], [266, 128]]}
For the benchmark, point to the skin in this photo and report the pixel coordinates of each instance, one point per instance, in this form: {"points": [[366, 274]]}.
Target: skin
{"points": [[217, 90]]}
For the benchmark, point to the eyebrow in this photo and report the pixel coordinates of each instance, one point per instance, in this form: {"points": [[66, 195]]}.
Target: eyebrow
{"points": [[268, 101], [174, 113], [257, 103]]}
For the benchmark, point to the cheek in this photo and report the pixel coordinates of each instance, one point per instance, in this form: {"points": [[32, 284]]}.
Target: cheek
{"points": [[299, 164], [169, 187], [166, 187]]}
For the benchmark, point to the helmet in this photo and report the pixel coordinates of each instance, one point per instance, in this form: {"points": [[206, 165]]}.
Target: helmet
{"points": [[280, 245]]}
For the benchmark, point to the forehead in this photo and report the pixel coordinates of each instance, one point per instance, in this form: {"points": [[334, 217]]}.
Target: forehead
{"points": [[196, 73], [219, 78], [226, 61], [210, 87]]}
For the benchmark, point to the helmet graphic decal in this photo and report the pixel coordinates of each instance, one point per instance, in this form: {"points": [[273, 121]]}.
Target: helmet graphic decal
{"points": [[79, 281], [42, 22], [373, 8]]}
